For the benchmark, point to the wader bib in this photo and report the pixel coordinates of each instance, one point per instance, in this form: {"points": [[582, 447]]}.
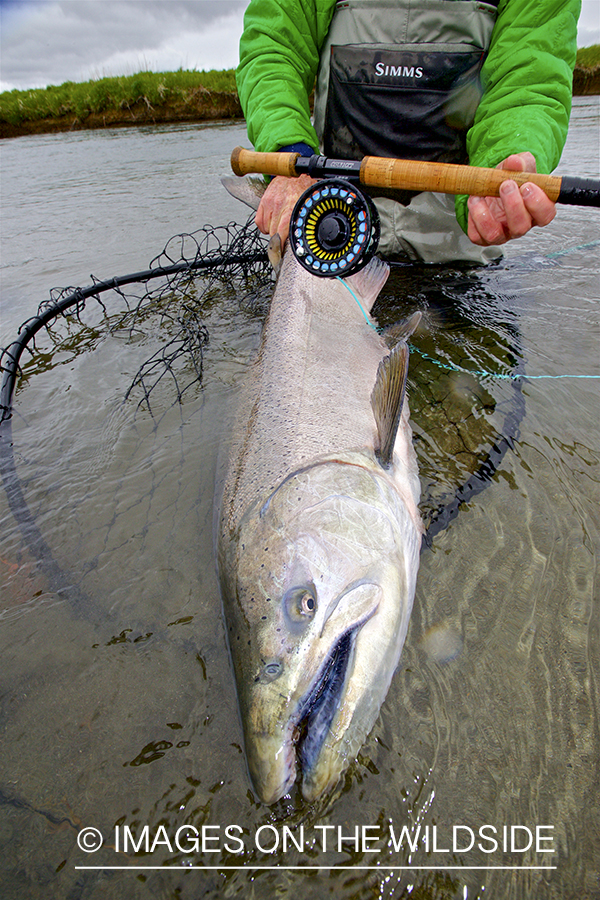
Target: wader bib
{"points": [[400, 78]]}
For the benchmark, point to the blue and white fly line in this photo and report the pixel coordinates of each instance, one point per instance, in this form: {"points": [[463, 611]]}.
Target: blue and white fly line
{"points": [[228, 255], [483, 373]]}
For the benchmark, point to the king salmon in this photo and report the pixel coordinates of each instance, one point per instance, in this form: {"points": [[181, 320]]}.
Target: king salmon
{"points": [[319, 532]]}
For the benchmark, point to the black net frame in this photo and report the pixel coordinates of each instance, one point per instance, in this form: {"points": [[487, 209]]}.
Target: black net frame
{"points": [[232, 253]]}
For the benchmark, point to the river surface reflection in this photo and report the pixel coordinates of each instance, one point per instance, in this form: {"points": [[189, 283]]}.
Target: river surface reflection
{"points": [[118, 709]]}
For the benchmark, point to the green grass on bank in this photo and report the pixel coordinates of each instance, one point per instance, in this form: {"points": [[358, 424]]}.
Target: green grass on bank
{"points": [[98, 96], [155, 89], [588, 57]]}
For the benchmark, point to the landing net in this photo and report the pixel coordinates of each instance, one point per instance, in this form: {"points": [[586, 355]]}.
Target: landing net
{"points": [[231, 254], [177, 287]]}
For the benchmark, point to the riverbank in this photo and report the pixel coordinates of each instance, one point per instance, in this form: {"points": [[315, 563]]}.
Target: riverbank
{"points": [[202, 105], [586, 77], [150, 98], [147, 98]]}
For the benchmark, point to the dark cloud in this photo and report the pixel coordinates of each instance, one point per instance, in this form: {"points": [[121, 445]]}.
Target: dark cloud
{"points": [[51, 41]]}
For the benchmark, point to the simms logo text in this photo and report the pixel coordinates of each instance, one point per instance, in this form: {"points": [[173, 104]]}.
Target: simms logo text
{"points": [[399, 71]]}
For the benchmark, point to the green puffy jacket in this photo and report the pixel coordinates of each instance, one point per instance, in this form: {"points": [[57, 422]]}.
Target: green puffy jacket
{"points": [[527, 78]]}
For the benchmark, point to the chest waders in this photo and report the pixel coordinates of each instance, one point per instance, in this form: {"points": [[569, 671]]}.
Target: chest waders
{"points": [[401, 78]]}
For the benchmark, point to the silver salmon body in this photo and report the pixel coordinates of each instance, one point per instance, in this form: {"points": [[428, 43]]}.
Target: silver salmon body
{"points": [[319, 532]]}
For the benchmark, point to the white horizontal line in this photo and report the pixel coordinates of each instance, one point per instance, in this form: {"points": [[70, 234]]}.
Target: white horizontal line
{"points": [[332, 867]]}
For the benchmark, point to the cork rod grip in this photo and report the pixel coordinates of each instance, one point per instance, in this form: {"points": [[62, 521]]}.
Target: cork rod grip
{"points": [[402, 174], [448, 179], [244, 162]]}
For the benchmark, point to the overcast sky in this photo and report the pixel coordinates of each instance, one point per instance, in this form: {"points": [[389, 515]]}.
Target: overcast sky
{"points": [[50, 41]]}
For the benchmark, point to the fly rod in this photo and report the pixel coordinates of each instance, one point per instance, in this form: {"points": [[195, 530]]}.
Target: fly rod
{"points": [[411, 175]]}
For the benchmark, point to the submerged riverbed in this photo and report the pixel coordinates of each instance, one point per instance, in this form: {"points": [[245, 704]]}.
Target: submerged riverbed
{"points": [[118, 707]]}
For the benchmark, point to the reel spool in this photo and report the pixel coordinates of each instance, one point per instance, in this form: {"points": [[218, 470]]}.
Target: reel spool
{"points": [[334, 228]]}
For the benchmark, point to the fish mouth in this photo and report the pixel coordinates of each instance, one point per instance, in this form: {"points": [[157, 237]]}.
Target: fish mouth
{"points": [[306, 738], [302, 746], [320, 705]]}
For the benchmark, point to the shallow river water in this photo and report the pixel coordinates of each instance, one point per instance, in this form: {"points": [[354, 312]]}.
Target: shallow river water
{"points": [[117, 703]]}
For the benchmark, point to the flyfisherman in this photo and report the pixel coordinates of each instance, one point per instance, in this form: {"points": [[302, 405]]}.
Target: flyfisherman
{"points": [[457, 81]]}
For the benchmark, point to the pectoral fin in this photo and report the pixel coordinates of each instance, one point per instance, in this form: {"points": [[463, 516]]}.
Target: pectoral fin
{"points": [[387, 399], [249, 190]]}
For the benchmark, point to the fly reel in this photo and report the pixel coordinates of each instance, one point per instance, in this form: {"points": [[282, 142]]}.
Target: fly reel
{"points": [[334, 228]]}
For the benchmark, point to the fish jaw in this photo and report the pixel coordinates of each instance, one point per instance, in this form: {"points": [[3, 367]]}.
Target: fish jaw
{"points": [[376, 651], [274, 756], [310, 691], [301, 725], [271, 763]]}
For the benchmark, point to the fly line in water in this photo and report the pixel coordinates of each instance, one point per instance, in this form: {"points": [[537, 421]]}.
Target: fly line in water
{"points": [[172, 298]]}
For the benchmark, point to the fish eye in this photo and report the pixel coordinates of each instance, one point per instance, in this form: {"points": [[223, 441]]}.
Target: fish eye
{"points": [[307, 603], [300, 604]]}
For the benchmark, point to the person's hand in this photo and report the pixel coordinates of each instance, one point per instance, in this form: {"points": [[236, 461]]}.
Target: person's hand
{"points": [[495, 220], [277, 204]]}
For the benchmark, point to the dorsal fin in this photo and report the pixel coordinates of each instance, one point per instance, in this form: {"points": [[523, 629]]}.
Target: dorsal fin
{"points": [[275, 252], [401, 331], [369, 281], [387, 399]]}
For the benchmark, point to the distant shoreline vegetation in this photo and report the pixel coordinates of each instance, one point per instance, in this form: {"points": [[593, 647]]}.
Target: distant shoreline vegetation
{"points": [[146, 98], [149, 98], [586, 77]]}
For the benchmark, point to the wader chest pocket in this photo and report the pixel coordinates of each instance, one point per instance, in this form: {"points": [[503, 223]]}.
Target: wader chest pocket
{"points": [[401, 103]]}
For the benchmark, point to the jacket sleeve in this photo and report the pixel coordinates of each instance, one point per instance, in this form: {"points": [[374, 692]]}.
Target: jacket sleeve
{"points": [[279, 58], [527, 81]]}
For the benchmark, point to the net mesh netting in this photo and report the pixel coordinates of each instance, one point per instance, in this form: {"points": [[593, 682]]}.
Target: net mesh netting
{"points": [[163, 309], [173, 298], [228, 256]]}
